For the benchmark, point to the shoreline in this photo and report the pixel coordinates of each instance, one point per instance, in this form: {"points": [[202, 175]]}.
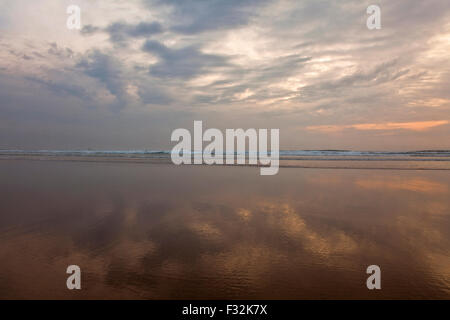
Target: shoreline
{"points": [[307, 163]]}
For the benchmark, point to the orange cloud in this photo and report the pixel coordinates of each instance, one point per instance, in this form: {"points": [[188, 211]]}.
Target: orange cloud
{"points": [[415, 126]]}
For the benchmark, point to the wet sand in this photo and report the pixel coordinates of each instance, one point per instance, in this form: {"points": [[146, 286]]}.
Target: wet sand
{"points": [[158, 231]]}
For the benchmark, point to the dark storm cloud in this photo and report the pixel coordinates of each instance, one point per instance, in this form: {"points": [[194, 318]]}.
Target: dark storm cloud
{"points": [[183, 63]]}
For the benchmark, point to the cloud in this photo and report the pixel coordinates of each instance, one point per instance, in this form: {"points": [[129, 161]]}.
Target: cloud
{"points": [[249, 63], [414, 126], [194, 16], [107, 70], [153, 93], [184, 63], [62, 87], [90, 29], [121, 32]]}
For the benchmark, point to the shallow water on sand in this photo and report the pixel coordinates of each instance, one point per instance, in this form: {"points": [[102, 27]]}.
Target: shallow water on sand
{"points": [[141, 230]]}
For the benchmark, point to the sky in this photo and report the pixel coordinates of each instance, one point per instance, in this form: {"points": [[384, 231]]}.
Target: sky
{"points": [[137, 70]]}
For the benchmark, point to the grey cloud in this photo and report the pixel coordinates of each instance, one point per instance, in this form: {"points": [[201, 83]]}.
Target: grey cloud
{"points": [[152, 93], [107, 70], [280, 68], [62, 87], [414, 14], [90, 29], [36, 116], [182, 63], [382, 73], [195, 16], [257, 79], [120, 31], [60, 52], [308, 62], [20, 55]]}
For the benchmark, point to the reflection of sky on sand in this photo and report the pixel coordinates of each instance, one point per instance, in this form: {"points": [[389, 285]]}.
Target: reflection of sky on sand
{"points": [[154, 231], [414, 184]]}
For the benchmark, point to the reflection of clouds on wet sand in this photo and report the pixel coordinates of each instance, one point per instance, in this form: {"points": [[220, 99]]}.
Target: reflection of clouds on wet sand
{"points": [[302, 238], [289, 222], [429, 243], [437, 208], [413, 184]]}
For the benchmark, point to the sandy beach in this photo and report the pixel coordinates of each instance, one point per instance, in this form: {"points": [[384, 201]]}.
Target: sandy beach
{"points": [[232, 158], [159, 231]]}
